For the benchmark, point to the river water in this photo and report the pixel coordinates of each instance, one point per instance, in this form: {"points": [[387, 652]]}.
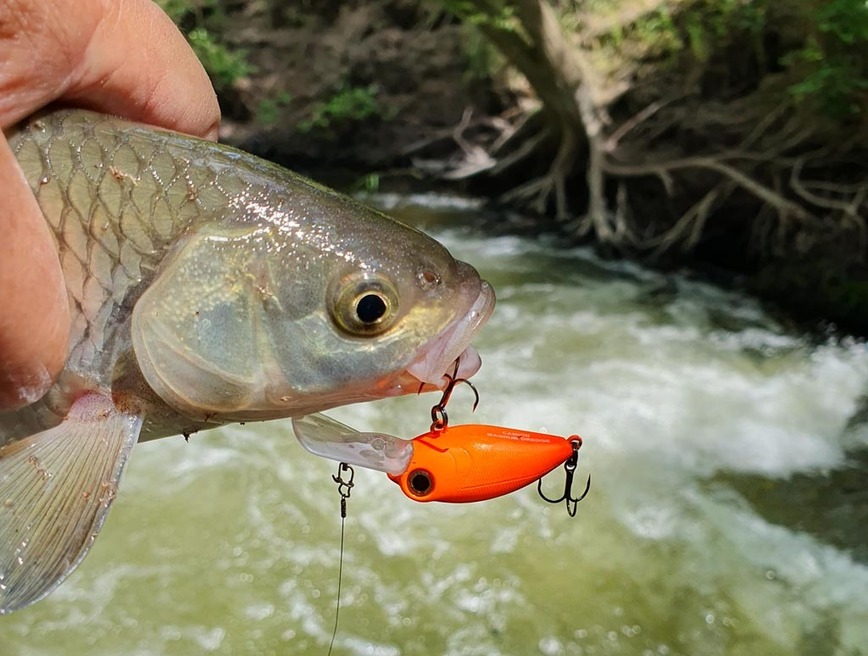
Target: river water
{"points": [[728, 512]]}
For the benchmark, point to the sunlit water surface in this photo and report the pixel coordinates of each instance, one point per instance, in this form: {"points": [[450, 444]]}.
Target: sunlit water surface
{"points": [[696, 408]]}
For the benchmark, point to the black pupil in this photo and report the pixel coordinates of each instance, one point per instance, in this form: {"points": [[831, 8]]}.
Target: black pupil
{"points": [[420, 483], [370, 308]]}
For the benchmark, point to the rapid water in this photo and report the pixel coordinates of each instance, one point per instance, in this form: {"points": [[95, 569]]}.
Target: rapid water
{"points": [[727, 513]]}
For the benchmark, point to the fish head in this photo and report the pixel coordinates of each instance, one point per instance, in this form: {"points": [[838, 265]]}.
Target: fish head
{"points": [[475, 462], [308, 305]]}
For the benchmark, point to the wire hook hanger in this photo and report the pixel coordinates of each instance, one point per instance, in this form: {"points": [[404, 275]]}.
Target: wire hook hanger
{"points": [[439, 418]]}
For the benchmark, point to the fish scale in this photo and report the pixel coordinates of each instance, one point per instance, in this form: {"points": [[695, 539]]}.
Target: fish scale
{"points": [[93, 207]]}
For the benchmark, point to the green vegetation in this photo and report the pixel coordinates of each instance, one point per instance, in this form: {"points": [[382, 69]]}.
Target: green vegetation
{"points": [[483, 59], [179, 9], [224, 65], [834, 61], [710, 25], [270, 109], [347, 104], [367, 184], [499, 15], [657, 33], [695, 28]]}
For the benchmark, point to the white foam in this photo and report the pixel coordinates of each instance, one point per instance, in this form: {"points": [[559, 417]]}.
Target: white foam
{"points": [[231, 541]]}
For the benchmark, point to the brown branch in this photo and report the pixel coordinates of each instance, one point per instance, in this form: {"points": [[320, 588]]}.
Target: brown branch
{"points": [[526, 149], [759, 190], [596, 173], [846, 206], [762, 192], [505, 130], [858, 200], [693, 219], [835, 187], [631, 123], [763, 124], [539, 191], [623, 234]]}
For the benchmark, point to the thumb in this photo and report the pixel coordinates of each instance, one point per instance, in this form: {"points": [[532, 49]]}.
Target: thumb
{"points": [[34, 311]]}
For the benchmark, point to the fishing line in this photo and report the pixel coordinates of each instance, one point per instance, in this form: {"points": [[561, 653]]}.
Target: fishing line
{"points": [[340, 579], [344, 489]]}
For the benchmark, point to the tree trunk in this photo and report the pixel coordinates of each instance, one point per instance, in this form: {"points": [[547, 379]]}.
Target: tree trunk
{"points": [[531, 38]]}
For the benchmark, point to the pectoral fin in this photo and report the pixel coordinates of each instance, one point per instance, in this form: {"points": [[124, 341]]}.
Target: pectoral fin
{"points": [[55, 490]]}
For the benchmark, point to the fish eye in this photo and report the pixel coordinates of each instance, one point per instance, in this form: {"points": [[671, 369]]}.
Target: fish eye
{"points": [[365, 307], [420, 482]]}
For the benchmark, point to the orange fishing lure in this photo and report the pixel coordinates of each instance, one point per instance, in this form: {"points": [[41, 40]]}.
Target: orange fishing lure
{"points": [[475, 462], [454, 464]]}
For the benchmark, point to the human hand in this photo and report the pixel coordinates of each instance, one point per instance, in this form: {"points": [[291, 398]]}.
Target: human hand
{"points": [[122, 57]]}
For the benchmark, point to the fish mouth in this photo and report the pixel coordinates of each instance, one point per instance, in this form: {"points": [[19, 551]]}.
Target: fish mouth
{"points": [[450, 353]]}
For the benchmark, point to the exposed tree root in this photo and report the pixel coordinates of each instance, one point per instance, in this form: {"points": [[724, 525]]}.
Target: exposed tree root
{"points": [[751, 155]]}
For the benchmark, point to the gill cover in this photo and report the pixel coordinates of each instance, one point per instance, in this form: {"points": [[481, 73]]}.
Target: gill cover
{"points": [[201, 331]]}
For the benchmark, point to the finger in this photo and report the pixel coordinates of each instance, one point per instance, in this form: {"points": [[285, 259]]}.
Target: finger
{"points": [[162, 84], [33, 338], [122, 57]]}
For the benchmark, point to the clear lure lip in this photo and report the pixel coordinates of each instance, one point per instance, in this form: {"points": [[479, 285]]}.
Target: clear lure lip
{"points": [[439, 358]]}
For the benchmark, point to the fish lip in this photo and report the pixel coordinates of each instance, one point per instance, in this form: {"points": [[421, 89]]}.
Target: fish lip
{"points": [[428, 371]]}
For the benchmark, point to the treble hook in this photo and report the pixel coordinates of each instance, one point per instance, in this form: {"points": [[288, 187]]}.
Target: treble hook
{"points": [[570, 467], [439, 418]]}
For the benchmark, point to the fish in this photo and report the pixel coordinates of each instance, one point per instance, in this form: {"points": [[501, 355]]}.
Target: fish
{"points": [[453, 464], [206, 287]]}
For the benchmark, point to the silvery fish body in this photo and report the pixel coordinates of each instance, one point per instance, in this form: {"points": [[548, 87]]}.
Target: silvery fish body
{"points": [[206, 286]]}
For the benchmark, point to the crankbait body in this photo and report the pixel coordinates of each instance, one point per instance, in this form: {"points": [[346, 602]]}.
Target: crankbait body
{"points": [[476, 462]]}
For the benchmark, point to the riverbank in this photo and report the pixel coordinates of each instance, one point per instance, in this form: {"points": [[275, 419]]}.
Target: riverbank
{"points": [[399, 94]]}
